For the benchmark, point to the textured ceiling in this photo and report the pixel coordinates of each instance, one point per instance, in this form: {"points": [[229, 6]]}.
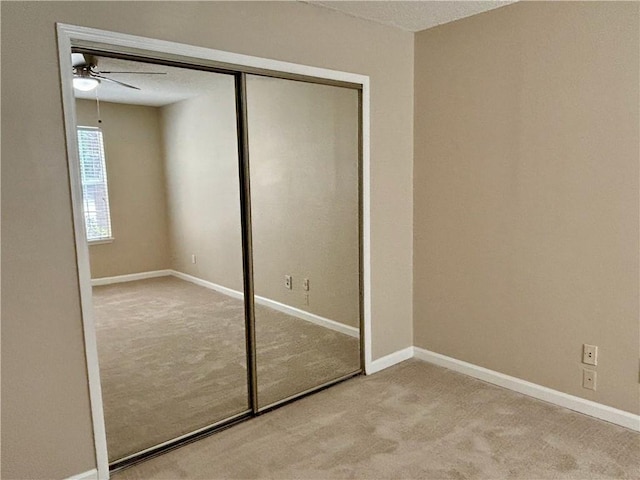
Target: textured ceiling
{"points": [[412, 16], [155, 90], [181, 84]]}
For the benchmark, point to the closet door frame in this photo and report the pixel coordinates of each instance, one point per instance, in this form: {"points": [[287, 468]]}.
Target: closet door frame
{"points": [[78, 38]]}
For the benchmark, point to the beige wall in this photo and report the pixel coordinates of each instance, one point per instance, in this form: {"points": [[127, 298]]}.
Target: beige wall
{"points": [[203, 192], [303, 148], [526, 193], [45, 404], [135, 172]]}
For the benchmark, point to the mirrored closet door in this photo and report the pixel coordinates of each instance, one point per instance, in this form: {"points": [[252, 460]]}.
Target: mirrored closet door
{"points": [[304, 162], [161, 199], [222, 213]]}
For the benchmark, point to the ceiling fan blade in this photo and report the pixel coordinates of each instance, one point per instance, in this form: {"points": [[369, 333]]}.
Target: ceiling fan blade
{"points": [[139, 73], [115, 81]]}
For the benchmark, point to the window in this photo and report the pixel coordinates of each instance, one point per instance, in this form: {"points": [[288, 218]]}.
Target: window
{"points": [[95, 194]]}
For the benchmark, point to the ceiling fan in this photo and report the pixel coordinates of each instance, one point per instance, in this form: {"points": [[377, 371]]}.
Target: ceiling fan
{"points": [[86, 75]]}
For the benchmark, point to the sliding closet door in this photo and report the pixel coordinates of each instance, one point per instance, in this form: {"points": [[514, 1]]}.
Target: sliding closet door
{"points": [[304, 170], [203, 193], [172, 348]]}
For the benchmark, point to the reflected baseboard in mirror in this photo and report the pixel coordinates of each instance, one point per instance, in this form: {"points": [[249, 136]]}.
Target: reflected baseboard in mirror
{"points": [[171, 378]]}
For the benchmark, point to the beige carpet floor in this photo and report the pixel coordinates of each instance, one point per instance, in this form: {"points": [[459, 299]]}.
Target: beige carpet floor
{"points": [[172, 359], [414, 420]]}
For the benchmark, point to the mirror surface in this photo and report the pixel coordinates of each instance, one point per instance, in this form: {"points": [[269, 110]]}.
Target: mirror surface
{"points": [[304, 164], [171, 346], [161, 198]]}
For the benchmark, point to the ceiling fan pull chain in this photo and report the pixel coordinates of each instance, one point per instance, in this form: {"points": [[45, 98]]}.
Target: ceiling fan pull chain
{"points": [[98, 106]]}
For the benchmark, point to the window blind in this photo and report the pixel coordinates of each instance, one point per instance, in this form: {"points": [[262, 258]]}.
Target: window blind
{"points": [[95, 192]]}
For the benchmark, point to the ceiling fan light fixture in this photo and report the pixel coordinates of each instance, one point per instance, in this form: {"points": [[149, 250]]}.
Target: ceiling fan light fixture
{"points": [[85, 84]]}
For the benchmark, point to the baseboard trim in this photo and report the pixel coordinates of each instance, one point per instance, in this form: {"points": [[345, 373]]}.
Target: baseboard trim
{"points": [[88, 475], [267, 302], [587, 407], [281, 307], [390, 360], [131, 277], [210, 285], [309, 317]]}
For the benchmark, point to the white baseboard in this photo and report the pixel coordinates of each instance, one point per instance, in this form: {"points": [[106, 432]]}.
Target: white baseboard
{"points": [[88, 475], [130, 277], [593, 409], [587, 407], [281, 307], [267, 302], [390, 360], [309, 317], [210, 285]]}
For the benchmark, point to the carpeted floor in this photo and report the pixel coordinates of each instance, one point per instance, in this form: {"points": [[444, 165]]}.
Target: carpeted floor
{"points": [[414, 420], [172, 359]]}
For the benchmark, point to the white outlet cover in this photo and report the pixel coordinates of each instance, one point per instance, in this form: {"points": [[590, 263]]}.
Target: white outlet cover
{"points": [[589, 378], [590, 354]]}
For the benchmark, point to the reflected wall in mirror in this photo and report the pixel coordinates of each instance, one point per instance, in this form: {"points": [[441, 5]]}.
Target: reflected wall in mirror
{"points": [[161, 201], [304, 169]]}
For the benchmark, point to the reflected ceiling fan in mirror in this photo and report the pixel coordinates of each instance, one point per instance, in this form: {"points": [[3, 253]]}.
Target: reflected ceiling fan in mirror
{"points": [[86, 75]]}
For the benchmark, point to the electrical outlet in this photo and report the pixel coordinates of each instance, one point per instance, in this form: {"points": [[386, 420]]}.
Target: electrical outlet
{"points": [[288, 282], [589, 378], [193, 259], [590, 354], [305, 285]]}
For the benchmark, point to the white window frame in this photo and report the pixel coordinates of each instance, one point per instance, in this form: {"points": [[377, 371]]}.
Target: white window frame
{"points": [[103, 181]]}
